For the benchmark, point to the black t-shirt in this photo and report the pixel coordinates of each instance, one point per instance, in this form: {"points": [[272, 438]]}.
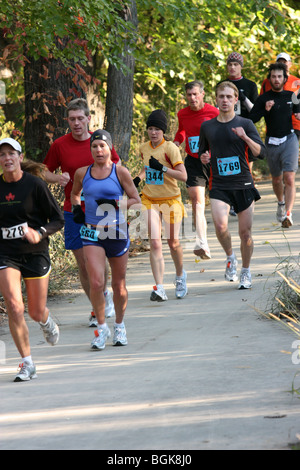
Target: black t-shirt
{"points": [[27, 201], [229, 165], [279, 118]]}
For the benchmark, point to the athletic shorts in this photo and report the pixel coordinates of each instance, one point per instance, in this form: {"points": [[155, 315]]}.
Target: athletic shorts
{"points": [[283, 157], [31, 265], [72, 235], [113, 247], [195, 174], [172, 210], [240, 199]]}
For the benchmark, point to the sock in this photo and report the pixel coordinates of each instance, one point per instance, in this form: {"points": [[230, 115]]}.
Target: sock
{"points": [[281, 203], [231, 257], [245, 270], [45, 324], [119, 325], [27, 359], [102, 326]]}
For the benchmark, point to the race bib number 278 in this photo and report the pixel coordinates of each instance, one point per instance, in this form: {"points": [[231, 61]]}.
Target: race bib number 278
{"points": [[17, 231]]}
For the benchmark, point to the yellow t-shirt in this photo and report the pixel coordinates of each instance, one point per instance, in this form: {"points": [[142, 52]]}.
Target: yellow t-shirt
{"points": [[168, 154]]}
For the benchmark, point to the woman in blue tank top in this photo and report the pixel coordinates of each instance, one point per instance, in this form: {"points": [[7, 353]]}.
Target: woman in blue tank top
{"points": [[104, 231]]}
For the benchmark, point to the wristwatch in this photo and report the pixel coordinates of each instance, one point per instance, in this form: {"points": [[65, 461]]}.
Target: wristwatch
{"points": [[164, 169]]}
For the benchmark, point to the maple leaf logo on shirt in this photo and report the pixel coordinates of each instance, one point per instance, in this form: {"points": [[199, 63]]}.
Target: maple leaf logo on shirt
{"points": [[10, 197]]}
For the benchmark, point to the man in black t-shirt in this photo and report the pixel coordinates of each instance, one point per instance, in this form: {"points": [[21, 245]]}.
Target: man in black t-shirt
{"points": [[248, 92], [277, 107], [225, 144]]}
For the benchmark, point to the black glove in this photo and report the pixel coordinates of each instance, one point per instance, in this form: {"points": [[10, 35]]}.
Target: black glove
{"points": [[242, 95], [136, 181], [155, 164], [113, 202], [79, 215]]}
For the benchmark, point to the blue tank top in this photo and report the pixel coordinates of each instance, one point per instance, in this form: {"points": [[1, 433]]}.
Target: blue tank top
{"points": [[107, 188]]}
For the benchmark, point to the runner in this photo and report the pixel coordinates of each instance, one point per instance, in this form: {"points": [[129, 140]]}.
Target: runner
{"points": [[29, 214], [105, 232], [292, 84], [225, 144], [189, 124], [70, 152], [277, 106], [161, 200]]}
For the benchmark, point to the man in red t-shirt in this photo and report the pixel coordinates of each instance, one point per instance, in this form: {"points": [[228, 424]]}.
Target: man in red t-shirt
{"points": [[292, 84], [68, 153], [189, 124]]}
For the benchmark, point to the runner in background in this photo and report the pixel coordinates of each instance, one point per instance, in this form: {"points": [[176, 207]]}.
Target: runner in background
{"points": [[277, 106], [190, 120], [29, 215], [68, 153], [161, 201]]}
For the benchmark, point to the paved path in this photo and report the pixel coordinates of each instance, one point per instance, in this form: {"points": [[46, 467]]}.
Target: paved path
{"points": [[206, 372]]}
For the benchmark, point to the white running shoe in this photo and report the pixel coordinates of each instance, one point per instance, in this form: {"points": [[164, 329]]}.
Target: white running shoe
{"points": [[120, 338], [26, 373], [51, 331], [101, 335], [230, 271], [245, 280], [288, 221], [109, 305], [158, 294], [180, 286], [281, 212]]}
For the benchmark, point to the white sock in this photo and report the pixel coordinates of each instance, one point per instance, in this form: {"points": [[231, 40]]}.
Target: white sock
{"points": [[231, 257], [27, 359], [119, 325]]}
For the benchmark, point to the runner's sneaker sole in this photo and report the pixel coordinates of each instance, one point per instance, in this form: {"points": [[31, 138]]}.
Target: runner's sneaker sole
{"points": [[203, 254]]}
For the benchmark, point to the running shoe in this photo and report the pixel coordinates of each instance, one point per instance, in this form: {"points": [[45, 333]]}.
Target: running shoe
{"points": [[50, 331], [180, 286], [203, 252], [93, 320], [280, 213], [288, 221], [245, 280], [101, 335], [109, 305], [232, 211], [26, 373], [158, 294], [120, 338], [230, 272]]}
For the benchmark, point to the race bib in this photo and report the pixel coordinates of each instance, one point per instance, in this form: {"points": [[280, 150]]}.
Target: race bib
{"points": [[194, 144], [89, 233], [17, 231], [229, 166], [154, 176], [237, 108]]}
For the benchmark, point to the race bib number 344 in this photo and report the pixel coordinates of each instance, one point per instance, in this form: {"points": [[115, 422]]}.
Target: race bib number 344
{"points": [[153, 176], [229, 166]]}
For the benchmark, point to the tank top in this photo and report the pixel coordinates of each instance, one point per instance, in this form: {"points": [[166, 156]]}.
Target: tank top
{"points": [[107, 188]]}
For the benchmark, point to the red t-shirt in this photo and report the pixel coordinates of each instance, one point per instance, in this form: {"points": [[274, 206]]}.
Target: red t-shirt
{"points": [[189, 124], [69, 154], [292, 84]]}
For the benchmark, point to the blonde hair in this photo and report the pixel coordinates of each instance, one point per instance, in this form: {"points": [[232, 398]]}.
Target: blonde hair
{"points": [[227, 84], [34, 168]]}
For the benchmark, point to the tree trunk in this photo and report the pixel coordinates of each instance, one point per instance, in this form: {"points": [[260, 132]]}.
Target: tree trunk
{"points": [[49, 86], [119, 100]]}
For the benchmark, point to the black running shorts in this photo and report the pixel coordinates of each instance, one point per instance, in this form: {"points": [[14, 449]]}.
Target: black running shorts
{"points": [[31, 265]]}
